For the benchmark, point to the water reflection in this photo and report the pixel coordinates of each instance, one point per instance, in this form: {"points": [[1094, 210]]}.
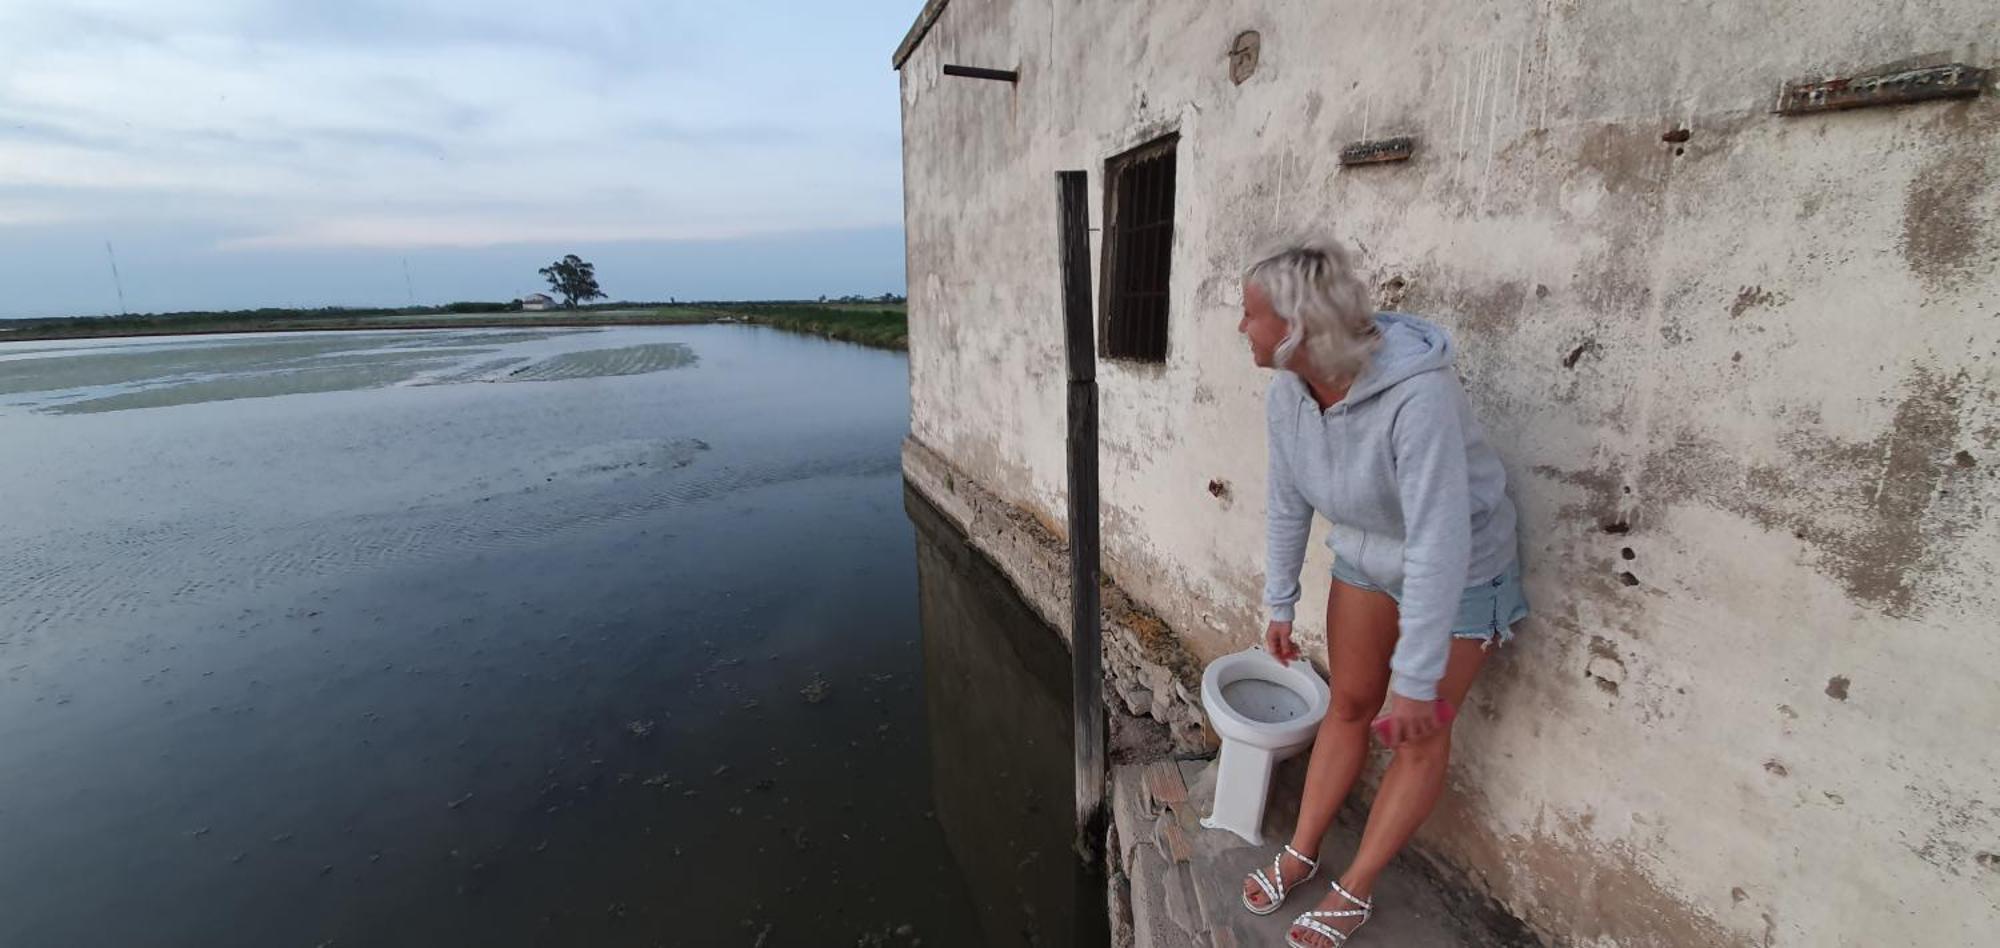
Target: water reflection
{"points": [[997, 697]]}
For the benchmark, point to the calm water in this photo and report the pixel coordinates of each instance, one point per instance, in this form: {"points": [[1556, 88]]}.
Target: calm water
{"points": [[616, 637]]}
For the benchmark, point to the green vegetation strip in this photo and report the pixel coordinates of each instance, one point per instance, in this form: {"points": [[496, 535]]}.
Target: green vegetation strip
{"points": [[881, 325]]}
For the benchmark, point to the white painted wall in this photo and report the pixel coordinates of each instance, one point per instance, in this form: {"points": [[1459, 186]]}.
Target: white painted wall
{"points": [[1773, 357]]}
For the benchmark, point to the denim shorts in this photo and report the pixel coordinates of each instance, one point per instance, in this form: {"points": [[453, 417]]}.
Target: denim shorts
{"points": [[1486, 612]]}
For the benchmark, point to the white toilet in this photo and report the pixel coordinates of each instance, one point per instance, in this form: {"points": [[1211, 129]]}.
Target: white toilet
{"points": [[1264, 712]]}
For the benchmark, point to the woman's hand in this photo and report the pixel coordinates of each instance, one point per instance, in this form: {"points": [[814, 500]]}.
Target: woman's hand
{"points": [[1278, 642], [1410, 720]]}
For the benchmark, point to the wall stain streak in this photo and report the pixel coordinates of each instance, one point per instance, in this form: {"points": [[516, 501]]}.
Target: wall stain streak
{"points": [[1946, 216], [1866, 507]]}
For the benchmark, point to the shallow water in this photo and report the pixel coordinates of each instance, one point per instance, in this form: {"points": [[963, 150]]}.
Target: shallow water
{"points": [[319, 639]]}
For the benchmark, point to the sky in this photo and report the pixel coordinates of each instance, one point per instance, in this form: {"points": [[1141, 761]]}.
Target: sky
{"points": [[244, 153]]}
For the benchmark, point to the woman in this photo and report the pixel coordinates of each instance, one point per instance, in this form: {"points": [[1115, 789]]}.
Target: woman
{"points": [[1368, 426]]}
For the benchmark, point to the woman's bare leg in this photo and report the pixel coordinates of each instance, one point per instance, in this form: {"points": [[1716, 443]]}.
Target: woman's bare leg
{"points": [[1361, 634], [1409, 791]]}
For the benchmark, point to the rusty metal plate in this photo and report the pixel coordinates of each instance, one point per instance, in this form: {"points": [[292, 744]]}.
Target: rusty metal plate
{"points": [[1886, 88], [1243, 55], [1379, 151]]}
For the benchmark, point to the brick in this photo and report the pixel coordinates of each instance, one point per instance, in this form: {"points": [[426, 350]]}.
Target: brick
{"points": [[1192, 770], [1173, 838], [1138, 700], [1180, 901], [1163, 784]]}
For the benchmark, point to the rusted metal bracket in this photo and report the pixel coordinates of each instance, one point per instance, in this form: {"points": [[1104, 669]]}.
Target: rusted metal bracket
{"points": [[975, 72], [1243, 55], [1379, 151], [1956, 80]]}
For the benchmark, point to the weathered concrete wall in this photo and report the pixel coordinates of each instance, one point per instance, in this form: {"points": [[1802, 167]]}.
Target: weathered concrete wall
{"points": [[1744, 385]]}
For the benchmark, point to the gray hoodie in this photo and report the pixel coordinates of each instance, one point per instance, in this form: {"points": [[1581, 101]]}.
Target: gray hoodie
{"points": [[1416, 495]]}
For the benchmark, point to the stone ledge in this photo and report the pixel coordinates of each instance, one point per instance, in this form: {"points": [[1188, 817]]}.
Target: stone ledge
{"points": [[1415, 911]]}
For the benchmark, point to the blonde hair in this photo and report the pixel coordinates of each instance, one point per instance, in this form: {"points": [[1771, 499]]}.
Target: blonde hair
{"points": [[1314, 289]]}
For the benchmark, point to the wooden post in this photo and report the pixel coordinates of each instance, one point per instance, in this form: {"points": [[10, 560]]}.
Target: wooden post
{"points": [[1086, 637]]}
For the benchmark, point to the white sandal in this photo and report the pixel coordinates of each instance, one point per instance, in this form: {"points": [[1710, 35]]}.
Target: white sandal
{"points": [[1275, 891], [1310, 920]]}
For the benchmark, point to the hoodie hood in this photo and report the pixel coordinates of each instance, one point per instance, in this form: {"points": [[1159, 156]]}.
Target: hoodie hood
{"points": [[1410, 346]]}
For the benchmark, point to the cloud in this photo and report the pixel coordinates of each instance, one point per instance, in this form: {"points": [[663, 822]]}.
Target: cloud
{"points": [[466, 230], [13, 214], [257, 124]]}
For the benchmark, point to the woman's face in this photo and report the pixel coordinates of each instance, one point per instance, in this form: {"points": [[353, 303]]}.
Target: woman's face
{"points": [[1262, 326]]}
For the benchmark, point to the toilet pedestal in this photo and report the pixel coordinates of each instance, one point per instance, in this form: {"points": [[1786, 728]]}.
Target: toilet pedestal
{"points": [[1265, 711], [1242, 787]]}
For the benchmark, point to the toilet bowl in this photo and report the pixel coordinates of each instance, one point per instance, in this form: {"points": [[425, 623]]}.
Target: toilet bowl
{"points": [[1264, 711]]}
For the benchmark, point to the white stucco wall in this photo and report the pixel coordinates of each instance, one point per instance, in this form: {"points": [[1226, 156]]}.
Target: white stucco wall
{"points": [[1770, 359]]}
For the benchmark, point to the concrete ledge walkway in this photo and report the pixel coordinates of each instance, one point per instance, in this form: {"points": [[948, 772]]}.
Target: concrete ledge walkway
{"points": [[1185, 881]]}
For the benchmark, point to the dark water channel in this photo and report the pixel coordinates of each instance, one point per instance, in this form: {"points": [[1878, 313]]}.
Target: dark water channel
{"points": [[625, 637]]}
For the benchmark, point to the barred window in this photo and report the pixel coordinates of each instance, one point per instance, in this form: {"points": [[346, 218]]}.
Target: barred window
{"points": [[1138, 250]]}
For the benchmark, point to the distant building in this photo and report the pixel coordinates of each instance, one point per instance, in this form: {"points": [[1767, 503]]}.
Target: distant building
{"points": [[537, 302]]}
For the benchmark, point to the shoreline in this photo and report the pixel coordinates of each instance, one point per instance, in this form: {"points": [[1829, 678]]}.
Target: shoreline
{"points": [[860, 328]]}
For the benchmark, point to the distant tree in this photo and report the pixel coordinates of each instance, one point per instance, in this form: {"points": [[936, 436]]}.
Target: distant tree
{"points": [[574, 279]]}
